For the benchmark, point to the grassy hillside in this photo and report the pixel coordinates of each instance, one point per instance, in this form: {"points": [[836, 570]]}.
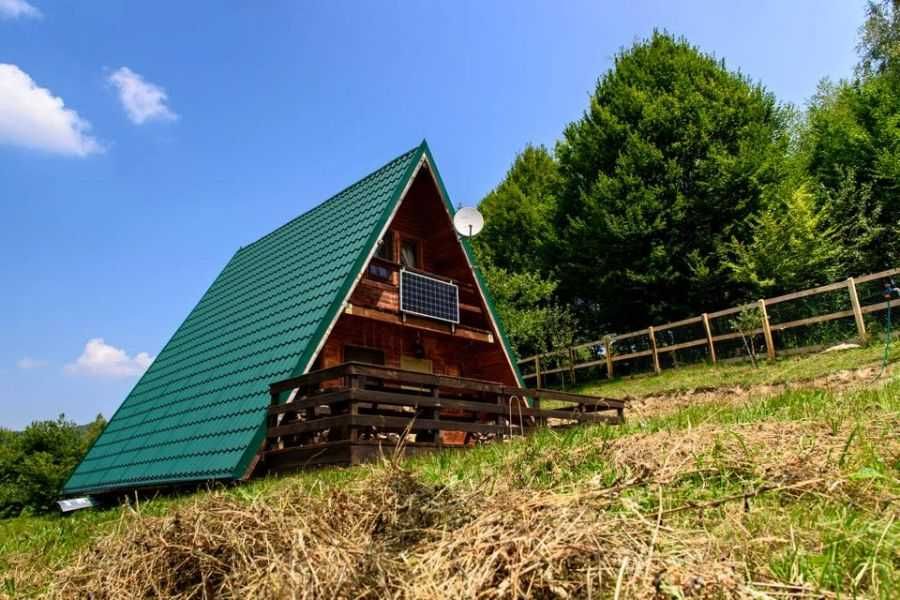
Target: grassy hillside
{"points": [[796, 369], [762, 495]]}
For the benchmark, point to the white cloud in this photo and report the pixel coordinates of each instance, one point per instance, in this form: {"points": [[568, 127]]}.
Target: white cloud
{"points": [[31, 363], [33, 117], [99, 359], [14, 9], [142, 100]]}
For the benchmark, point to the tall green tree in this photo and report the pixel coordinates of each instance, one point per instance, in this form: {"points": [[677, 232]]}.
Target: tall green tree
{"points": [[519, 230], [879, 44], [671, 162], [851, 147], [519, 214]]}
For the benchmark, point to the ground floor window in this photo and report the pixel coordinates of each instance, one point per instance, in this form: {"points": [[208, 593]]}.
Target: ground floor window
{"points": [[371, 356]]}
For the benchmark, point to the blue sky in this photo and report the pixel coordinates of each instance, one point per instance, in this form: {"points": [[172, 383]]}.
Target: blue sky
{"points": [[190, 128]]}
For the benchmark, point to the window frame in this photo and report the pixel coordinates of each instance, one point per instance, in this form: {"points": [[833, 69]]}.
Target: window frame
{"points": [[390, 244], [379, 272], [364, 349], [419, 245]]}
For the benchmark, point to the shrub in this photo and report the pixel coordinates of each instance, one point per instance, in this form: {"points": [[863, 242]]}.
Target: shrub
{"points": [[35, 463]]}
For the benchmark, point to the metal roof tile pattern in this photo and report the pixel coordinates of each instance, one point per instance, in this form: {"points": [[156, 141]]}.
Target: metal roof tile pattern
{"points": [[198, 413]]}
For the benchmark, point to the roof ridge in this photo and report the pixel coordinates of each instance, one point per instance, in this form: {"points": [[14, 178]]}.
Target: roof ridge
{"points": [[333, 197]]}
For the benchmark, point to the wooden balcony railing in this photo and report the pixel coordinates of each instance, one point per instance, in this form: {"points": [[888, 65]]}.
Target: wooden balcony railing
{"points": [[349, 413]]}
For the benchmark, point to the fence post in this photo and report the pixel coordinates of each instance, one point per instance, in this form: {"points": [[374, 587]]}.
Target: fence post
{"points": [[607, 345], [572, 364], [537, 370], [767, 331], [857, 312], [653, 349], [709, 338]]}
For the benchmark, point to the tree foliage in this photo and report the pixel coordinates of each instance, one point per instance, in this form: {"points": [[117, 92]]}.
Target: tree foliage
{"points": [[851, 148], [518, 234], [519, 213], [669, 165], [35, 463], [791, 247], [879, 46], [687, 186], [534, 322]]}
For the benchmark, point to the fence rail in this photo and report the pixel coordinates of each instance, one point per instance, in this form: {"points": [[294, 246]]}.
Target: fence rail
{"points": [[610, 349]]}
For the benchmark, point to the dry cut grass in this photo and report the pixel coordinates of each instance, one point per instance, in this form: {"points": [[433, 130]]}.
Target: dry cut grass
{"points": [[395, 538], [772, 493], [709, 512]]}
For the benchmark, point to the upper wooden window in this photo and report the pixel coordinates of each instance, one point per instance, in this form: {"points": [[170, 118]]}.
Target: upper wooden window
{"points": [[385, 251], [409, 253], [386, 247]]}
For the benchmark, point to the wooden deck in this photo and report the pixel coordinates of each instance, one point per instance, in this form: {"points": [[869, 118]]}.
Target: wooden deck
{"points": [[356, 412]]}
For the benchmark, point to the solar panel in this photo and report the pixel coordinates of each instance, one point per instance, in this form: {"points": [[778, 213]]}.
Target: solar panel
{"points": [[428, 297]]}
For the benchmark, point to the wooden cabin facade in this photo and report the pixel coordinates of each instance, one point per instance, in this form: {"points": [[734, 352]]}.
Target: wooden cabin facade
{"points": [[373, 328]]}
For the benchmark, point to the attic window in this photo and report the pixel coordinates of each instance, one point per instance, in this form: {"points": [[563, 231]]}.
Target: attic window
{"points": [[384, 251], [386, 246], [409, 254]]}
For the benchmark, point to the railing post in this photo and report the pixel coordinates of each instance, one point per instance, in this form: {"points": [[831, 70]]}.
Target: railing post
{"points": [[436, 415], [500, 418], [271, 420], [607, 346], [353, 431], [652, 334], [767, 331], [537, 370], [857, 311], [353, 409], [709, 338]]}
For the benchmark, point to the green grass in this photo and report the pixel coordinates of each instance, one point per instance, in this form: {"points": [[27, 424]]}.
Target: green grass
{"points": [[704, 375], [821, 540], [857, 552], [826, 542], [541, 458]]}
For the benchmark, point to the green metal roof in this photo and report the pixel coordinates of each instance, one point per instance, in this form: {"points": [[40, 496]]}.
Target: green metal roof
{"points": [[198, 413]]}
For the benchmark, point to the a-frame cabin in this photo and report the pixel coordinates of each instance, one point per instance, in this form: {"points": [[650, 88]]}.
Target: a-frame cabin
{"points": [[361, 322]]}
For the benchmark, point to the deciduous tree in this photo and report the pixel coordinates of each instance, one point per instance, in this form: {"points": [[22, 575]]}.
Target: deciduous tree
{"points": [[519, 213], [671, 162]]}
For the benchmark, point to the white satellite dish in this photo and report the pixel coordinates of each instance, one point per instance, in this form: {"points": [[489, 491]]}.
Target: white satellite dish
{"points": [[468, 221]]}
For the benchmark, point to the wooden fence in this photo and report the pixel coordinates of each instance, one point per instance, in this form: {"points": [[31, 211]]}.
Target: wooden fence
{"points": [[648, 345]]}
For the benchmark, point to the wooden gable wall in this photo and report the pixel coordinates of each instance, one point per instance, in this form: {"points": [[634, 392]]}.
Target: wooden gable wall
{"points": [[473, 350]]}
